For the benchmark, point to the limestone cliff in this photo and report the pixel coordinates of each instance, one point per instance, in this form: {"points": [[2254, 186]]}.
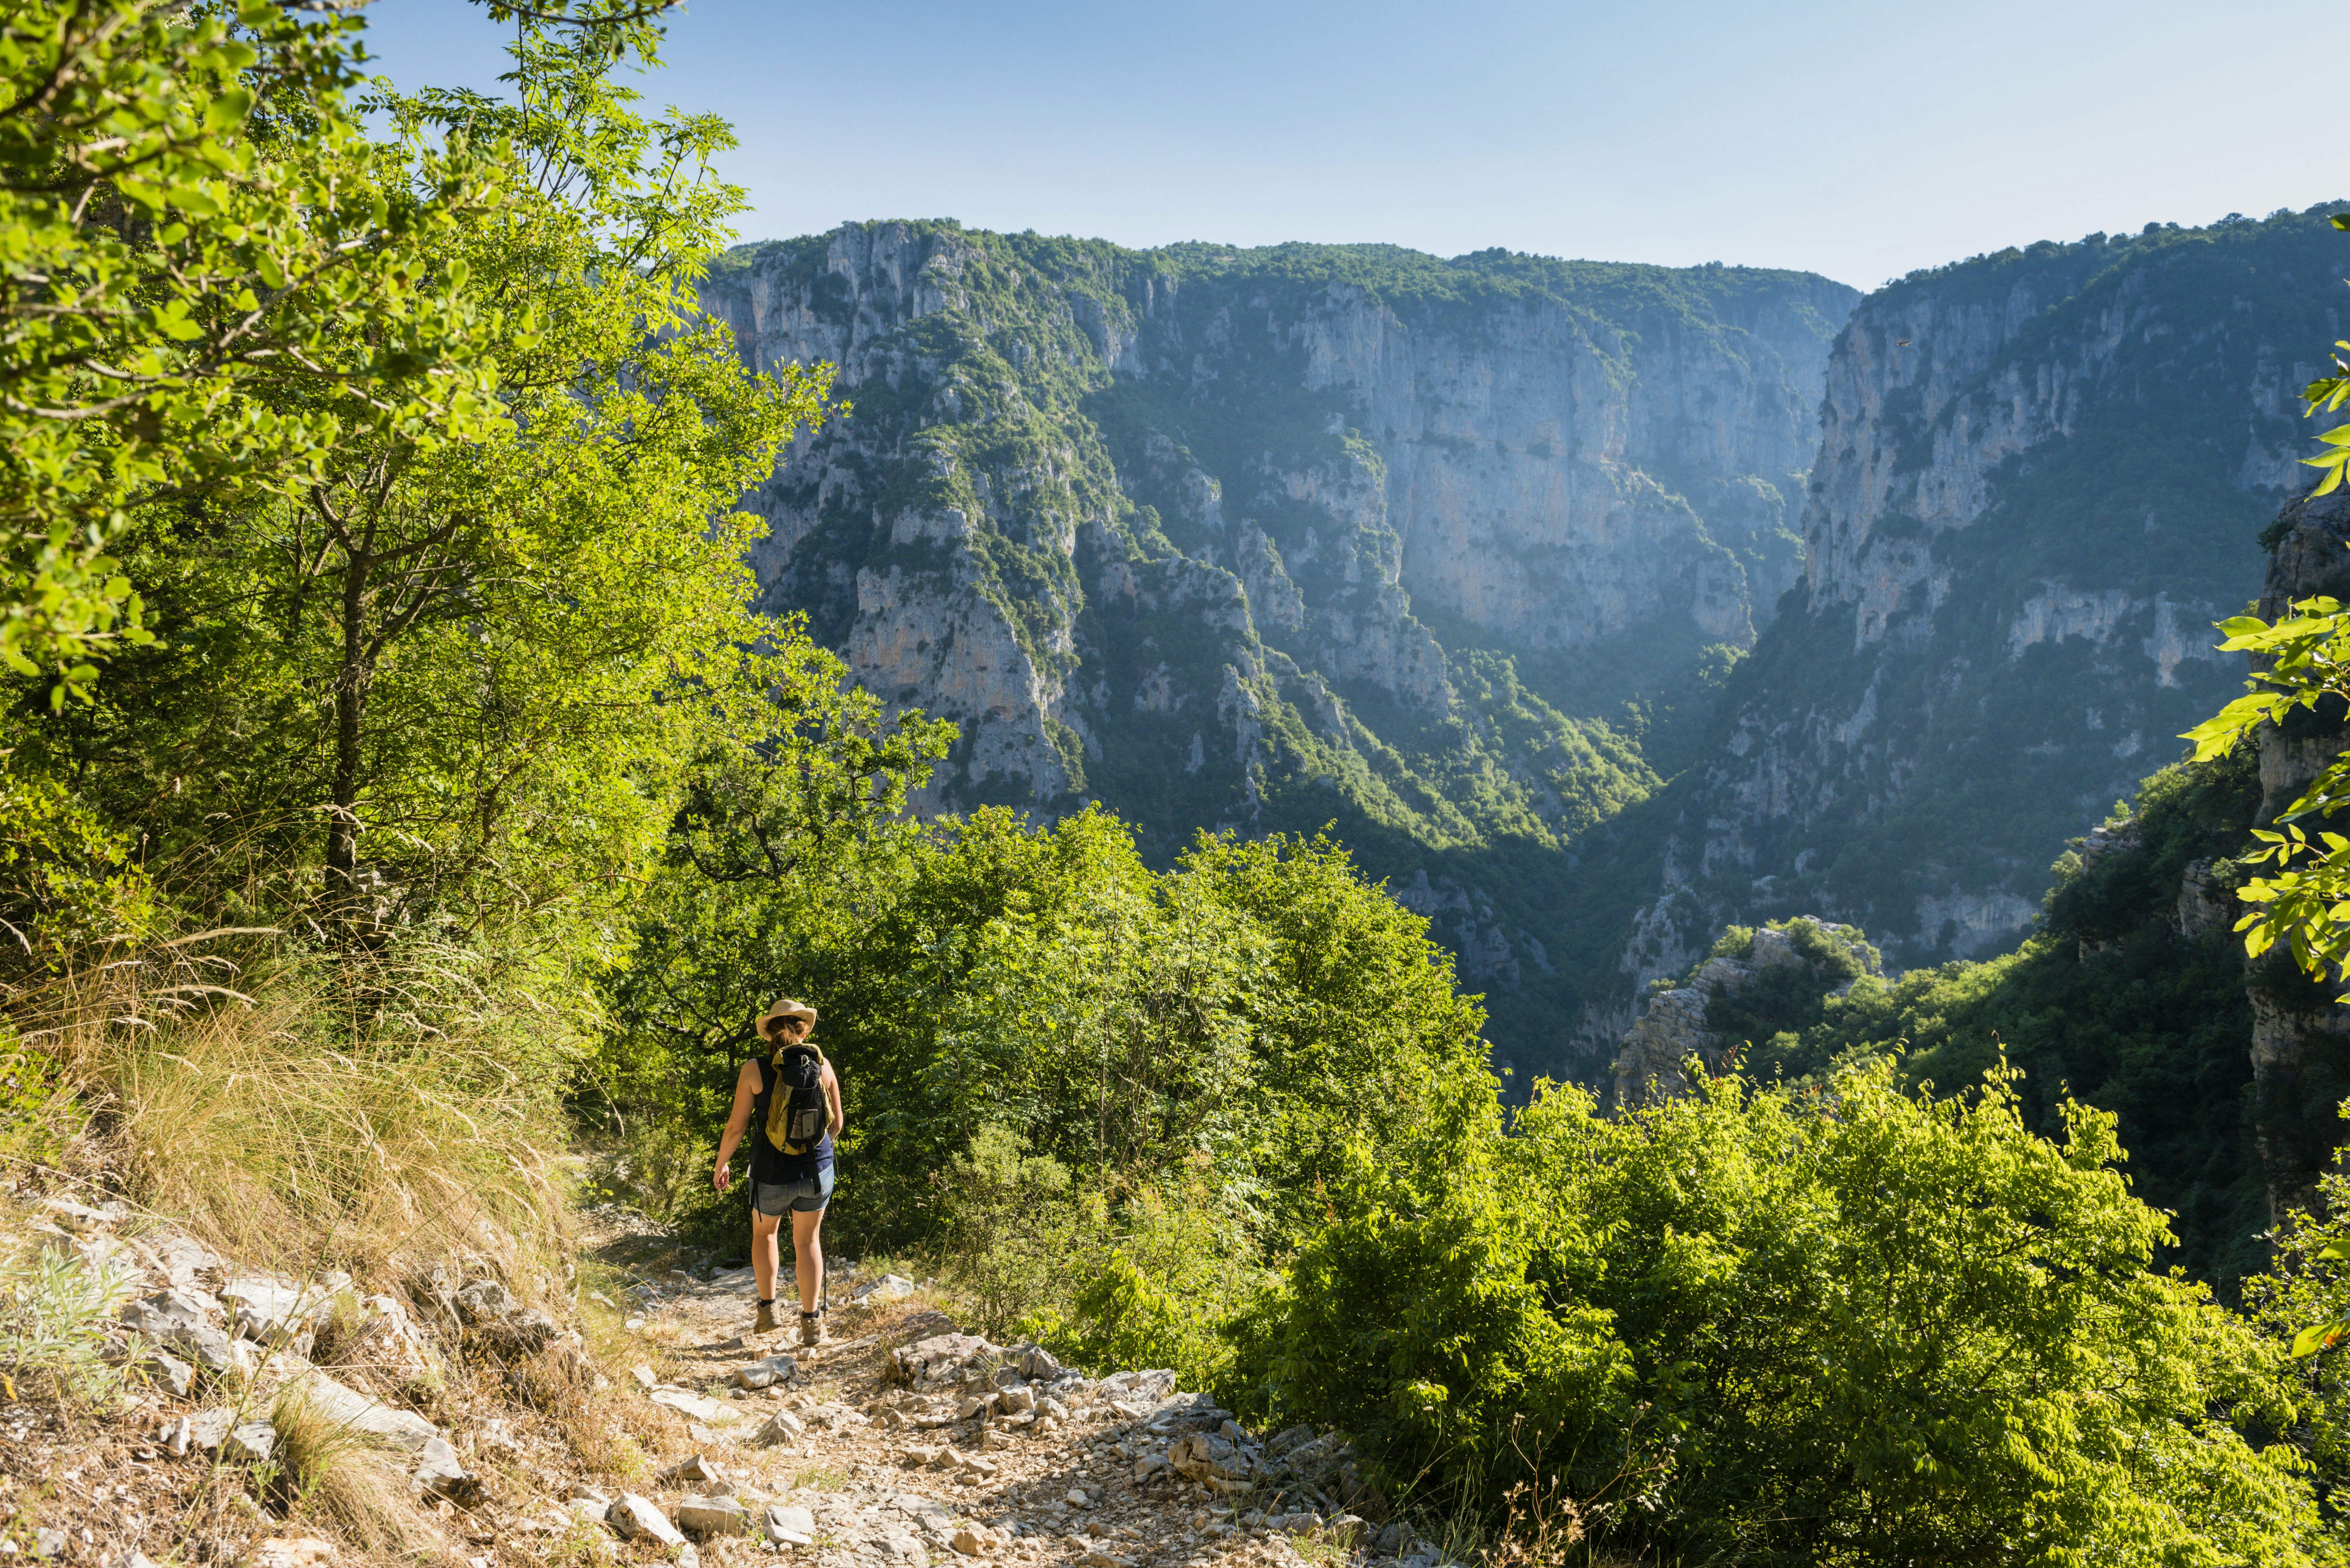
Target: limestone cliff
{"points": [[2040, 479], [1783, 971], [1269, 539]]}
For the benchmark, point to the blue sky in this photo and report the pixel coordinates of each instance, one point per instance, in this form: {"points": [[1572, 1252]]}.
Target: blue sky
{"points": [[1861, 141]]}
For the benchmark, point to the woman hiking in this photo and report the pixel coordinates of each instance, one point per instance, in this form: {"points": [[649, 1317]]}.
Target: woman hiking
{"points": [[791, 1104]]}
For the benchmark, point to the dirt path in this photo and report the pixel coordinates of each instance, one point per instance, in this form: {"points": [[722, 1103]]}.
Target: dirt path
{"points": [[882, 1442]]}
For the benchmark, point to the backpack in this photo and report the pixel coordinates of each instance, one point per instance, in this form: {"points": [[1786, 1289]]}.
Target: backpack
{"points": [[797, 1114]]}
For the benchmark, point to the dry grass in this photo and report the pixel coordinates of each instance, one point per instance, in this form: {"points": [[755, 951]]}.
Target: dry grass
{"points": [[282, 1134], [330, 1476]]}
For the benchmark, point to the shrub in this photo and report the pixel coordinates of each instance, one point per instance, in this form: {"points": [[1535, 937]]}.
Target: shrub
{"points": [[54, 1309], [1012, 1224], [1176, 1279], [1853, 1328]]}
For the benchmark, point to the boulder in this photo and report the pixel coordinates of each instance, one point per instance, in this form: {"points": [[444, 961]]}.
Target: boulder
{"points": [[881, 1292], [693, 1406], [710, 1515], [768, 1373], [1289, 1438], [938, 1351], [266, 1308], [1395, 1540], [483, 1302], [167, 1373], [164, 1315], [637, 1518], [1155, 1383], [346, 1406], [1189, 1413], [691, 1470], [184, 1260], [80, 1217], [783, 1427], [1349, 1529], [248, 1443]]}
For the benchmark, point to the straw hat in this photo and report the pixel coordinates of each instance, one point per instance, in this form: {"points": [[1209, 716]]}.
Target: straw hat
{"points": [[785, 1007]]}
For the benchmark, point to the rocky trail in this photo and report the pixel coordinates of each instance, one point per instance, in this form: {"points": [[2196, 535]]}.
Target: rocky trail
{"points": [[499, 1432], [905, 1441]]}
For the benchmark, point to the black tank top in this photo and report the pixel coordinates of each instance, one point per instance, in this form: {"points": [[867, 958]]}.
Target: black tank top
{"points": [[770, 1164]]}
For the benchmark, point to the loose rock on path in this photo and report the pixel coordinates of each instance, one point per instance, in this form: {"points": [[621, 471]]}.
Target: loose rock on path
{"points": [[906, 1443]]}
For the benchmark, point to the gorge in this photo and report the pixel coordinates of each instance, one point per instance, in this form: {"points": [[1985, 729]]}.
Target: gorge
{"points": [[1595, 607]]}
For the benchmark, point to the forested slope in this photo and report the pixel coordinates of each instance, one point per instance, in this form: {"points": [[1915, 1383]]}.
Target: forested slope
{"points": [[2044, 476], [1447, 553]]}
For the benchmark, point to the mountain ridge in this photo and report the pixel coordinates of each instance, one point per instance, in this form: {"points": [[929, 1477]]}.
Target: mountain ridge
{"points": [[1177, 531]]}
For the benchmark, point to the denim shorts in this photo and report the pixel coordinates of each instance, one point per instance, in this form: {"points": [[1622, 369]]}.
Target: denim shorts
{"points": [[807, 1197]]}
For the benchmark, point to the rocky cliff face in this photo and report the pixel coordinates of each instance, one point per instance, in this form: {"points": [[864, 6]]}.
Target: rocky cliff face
{"points": [[1265, 540], [2040, 478], [1802, 961], [2301, 1035]]}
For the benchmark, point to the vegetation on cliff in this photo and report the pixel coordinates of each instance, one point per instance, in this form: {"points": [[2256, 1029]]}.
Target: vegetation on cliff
{"points": [[1187, 530]]}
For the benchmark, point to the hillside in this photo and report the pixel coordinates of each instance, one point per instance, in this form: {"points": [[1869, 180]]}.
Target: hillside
{"points": [[1447, 553], [2042, 474]]}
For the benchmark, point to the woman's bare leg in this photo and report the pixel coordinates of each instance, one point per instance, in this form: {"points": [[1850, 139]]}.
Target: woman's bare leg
{"points": [[764, 1257], [808, 1254]]}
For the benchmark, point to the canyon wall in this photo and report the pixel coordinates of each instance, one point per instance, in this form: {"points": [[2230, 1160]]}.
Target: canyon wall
{"points": [[1436, 552], [2043, 475]]}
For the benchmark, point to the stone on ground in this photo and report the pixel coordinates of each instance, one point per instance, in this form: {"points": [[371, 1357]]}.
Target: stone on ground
{"points": [[635, 1518], [710, 1515]]}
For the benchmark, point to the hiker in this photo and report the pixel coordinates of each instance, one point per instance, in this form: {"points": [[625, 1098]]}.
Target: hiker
{"points": [[792, 1103]]}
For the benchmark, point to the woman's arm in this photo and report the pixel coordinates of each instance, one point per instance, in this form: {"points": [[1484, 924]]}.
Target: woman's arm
{"points": [[746, 1089], [832, 1097]]}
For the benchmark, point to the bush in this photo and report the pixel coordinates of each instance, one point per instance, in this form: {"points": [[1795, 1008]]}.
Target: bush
{"points": [[55, 1310], [1012, 1224], [1108, 1279], [1176, 1280], [1850, 1327]]}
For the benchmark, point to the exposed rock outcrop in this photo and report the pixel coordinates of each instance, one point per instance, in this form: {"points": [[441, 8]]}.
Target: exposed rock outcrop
{"points": [[1680, 1021], [1233, 539], [2301, 1035], [2039, 478]]}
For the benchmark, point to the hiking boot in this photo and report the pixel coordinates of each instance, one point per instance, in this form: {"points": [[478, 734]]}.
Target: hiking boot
{"points": [[767, 1324], [812, 1328]]}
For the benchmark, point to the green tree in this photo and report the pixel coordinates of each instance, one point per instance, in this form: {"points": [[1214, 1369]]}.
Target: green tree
{"points": [[454, 684], [210, 279]]}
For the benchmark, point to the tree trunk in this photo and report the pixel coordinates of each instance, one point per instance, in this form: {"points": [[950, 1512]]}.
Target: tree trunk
{"points": [[352, 677]]}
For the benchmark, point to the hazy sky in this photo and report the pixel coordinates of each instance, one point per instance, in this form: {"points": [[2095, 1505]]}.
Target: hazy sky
{"points": [[1861, 141]]}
